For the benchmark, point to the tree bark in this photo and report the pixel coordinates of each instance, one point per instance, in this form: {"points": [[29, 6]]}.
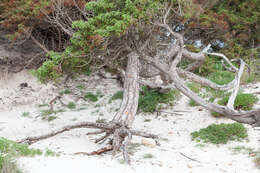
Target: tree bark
{"points": [[126, 114]]}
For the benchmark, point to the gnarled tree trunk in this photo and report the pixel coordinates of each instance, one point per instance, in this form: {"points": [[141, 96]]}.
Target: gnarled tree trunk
{"points": [[126, 114]]}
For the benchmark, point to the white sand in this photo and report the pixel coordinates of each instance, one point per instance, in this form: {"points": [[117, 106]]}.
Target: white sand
{"points": [[168, 157]]}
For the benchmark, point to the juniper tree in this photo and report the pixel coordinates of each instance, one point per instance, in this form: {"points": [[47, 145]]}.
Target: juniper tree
{"points": [[140, 39]]}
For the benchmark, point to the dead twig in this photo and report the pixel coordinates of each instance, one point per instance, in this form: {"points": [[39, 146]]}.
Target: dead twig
{"points": [[190, 158]]}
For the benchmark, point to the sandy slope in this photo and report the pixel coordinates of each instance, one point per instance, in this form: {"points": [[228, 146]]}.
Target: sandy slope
{"points": [[171, 156]]}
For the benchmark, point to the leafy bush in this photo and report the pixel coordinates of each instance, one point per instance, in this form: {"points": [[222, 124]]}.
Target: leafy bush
{"points": [[243, 101], [10, 149], [193, 103], [221, 77], [71, 105], [117, 95], [220, 133], [93, 97], [150, 99]]}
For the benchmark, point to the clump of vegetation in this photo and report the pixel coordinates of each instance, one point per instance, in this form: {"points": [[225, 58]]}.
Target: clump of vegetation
{"points": [[243, 150], [81, 87], [93, 97], [51, 118], [220, 133], [193, 103], [26, 114], [9, 150], [195, 87], [102, 120], [46, 114], [117, 95], [71, 105], [150, 99], [221, 77], [243, 101], [148, 156], [192, 48], [133, 147]]}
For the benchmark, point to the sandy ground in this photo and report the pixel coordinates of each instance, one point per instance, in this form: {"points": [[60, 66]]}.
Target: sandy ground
{"points": [[177, 152]]}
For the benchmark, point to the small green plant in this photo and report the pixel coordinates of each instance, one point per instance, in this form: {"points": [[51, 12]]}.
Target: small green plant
{"points": [[215, 114], [193, 103], [66, 91], [150, 99], [243, 101], [49, 152], [221, 77], [43, 105], [46, 114], [195, 87], [117, 95], [10, 150], [220, 133], [71, 105], [243, 150], [51, 118], [147, 120], [102, 120], [91, 97], [81, 87], [133, 148], [26, 114], [121, 161], [148, 156]]}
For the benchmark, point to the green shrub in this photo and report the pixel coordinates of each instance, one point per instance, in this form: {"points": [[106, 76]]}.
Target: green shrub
{"points": [[91, 97], [195, 87], [220, 133], [221, 77], [117, 95], [10, 150], [243, 101], [148, 156], [193, 103], [150, 99], [71, 105]]}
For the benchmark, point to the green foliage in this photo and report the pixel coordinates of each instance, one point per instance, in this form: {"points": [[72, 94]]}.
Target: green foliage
{"points": [[193, 103], [149, 99], [117, 95], [192, 48], [210, 65], [243, 101], [93, 97], [81, 87], [221, 77], [50, 69], [14, 149], [102, 120], [71, 105], [47, 114], [10, 150], [26, 114], [195, 87], [221, 133], [109, 19], [148, 156]]}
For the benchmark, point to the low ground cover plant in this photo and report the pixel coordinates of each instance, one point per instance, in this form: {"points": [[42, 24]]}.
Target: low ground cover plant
{"points": [[150, 99], [220, 133]]}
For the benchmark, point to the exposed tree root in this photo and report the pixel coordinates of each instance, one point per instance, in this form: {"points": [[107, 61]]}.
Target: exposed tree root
{"points": [[121, 137]]}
